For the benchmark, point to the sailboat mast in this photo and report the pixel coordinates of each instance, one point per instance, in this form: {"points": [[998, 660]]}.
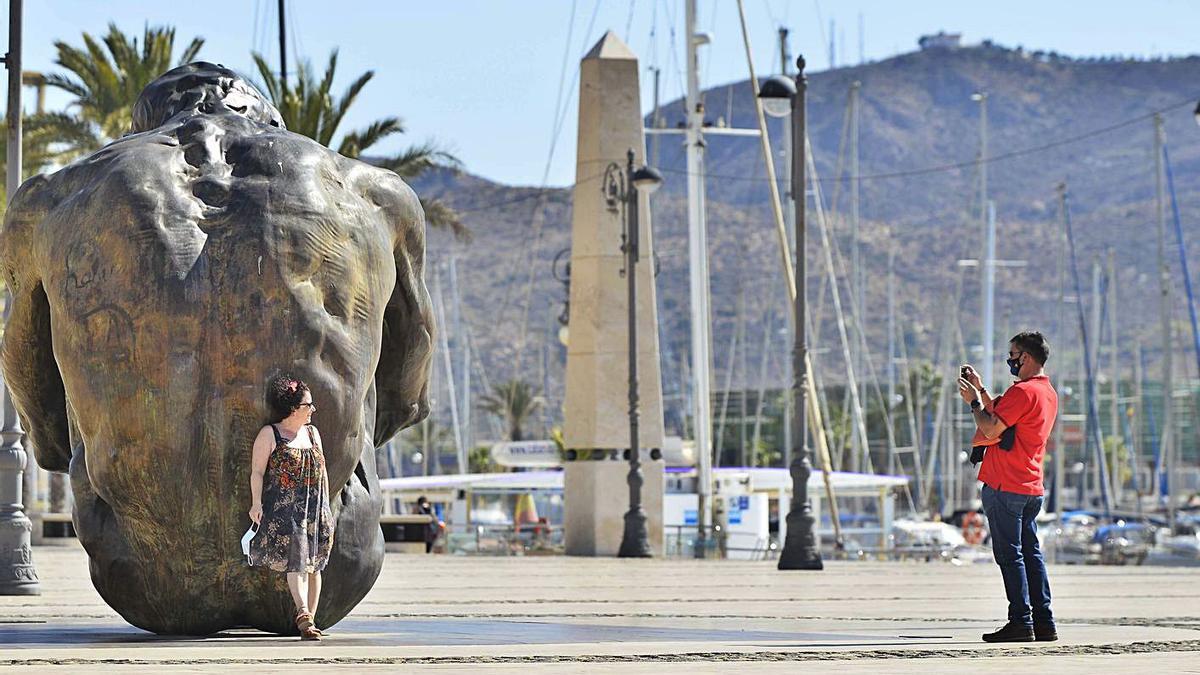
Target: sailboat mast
{"points": [[698, 274], [464, 345], [989, 301], [1114, 377], [1167, 444], [856, 271]]}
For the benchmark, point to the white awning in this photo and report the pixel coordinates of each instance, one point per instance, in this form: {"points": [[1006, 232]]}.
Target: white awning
{"points": [[761, 480]]}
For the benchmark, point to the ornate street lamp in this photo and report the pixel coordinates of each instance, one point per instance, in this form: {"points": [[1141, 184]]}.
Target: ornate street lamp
{"points": [[781, 97], [621, 188], [17, 573]]}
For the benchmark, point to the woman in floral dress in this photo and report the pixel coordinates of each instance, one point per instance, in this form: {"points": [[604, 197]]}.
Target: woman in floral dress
{"points": [[290, 498]]}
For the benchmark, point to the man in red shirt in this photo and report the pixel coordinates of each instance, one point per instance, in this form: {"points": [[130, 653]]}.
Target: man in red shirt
{"points": [[1012, 482]]}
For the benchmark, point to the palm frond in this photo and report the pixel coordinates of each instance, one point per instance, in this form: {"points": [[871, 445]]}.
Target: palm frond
{"points": [[67, 84], [189, 53], [355, 143], [442, 216], [418, 159], [512, 401], [348, 98], [270, 83]]}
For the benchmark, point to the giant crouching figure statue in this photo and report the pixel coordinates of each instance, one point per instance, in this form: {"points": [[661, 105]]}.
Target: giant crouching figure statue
{"points": [[157, 286]]}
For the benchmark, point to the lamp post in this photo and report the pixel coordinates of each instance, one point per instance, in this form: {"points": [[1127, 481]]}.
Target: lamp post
{"points": [[621, 188], [17, 573], [782, 97]]}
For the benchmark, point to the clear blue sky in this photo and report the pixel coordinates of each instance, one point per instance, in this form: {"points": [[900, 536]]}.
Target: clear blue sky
{"points": [[483, 76]]}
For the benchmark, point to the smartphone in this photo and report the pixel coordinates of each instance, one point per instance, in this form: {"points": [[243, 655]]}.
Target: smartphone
{"points": [[962, 372]]}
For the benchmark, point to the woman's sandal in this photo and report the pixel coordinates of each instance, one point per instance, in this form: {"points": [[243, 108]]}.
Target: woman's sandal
{"points": [[308, 631]]}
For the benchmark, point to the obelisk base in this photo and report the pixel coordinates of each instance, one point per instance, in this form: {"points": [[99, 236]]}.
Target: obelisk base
{"points": [[596, 498]]}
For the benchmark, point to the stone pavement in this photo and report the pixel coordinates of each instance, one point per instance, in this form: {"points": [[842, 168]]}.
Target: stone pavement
{"points": [[662, 616]]}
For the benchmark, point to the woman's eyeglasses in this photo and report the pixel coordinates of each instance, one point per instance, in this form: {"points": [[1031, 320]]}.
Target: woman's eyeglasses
{"points": [[312, 407]]}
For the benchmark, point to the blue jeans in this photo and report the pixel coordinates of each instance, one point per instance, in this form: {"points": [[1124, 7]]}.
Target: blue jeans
{"points": [[1015, 547]]}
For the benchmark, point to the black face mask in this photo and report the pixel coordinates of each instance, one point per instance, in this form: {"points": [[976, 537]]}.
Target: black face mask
{"points": [[1014, 366]]}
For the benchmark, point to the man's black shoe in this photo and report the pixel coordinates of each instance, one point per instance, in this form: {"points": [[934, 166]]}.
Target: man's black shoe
{"points": [[1011, 632], [1045, 633]]}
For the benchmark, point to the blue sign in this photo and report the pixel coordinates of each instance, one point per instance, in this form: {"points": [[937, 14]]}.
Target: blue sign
{"points": [[691, 516], [743, 502]]}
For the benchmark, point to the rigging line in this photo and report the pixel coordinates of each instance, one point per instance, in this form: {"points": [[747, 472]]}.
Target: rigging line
{"points": [[706, 55], [774, 19], [832, 218], [675, 52], [566, 104], [955, 166], [629, 20], [840, 166], [536, 193], [550, 154], [857, 314], [297, 51], [254, 30], [821, 27], [539, 216], [270, 20], [264, 28], [652, 47], [507, 202], [562, 78], [259, 18], [1191, 101]]}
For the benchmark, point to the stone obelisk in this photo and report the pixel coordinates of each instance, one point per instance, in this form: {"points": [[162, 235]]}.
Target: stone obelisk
{"points": [[596, 411]]}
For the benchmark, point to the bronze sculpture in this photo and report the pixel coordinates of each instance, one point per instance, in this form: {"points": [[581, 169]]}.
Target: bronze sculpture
{"points": [[157, 285]]}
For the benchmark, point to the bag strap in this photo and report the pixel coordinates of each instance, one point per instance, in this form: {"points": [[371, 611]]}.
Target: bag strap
{"points": [[278, 436], [312, 437]]}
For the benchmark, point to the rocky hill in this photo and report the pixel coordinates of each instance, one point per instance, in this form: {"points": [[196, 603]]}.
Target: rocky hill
{"points": [[1051, 119]]}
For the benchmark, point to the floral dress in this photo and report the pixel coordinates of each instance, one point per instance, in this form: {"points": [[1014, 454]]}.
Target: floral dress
{"points": [[296, 532]]}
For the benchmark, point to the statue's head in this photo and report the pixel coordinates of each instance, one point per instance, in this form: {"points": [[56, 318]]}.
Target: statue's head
{"points": [[200, 87]]}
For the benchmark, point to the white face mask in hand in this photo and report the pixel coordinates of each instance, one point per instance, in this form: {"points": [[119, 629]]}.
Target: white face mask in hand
{"points": [[246, 540]]}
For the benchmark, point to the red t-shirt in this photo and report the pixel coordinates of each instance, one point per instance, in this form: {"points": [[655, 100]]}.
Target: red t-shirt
{"points": [[1031, 406]]}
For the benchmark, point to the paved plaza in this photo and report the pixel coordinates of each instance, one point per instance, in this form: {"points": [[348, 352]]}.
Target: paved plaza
{"points": [[555, 614]]}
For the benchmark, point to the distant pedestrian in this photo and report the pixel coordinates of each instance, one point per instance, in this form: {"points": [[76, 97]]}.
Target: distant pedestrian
{"points": [[434, 528], [289, 490], [1013, 488]]}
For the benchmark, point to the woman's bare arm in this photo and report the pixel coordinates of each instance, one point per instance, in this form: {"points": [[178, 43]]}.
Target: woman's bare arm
{"points": [[263, 445]]}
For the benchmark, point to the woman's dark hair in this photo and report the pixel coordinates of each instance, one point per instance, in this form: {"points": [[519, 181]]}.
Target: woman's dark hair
{"points": [[284, 394], [1034, 344]]}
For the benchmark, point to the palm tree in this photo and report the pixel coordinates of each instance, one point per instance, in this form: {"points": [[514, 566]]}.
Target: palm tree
{"points": [[107, 75], [433, 440], [309, 108], [45, 137], [513, 402]]}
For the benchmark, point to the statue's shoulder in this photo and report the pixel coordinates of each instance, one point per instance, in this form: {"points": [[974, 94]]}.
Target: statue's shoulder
{"points": [[132, 159], [32, 195], [388, 191], [25, 212]]}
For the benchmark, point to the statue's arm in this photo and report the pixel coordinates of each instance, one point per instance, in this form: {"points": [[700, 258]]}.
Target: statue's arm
{"points": [[27, 352], [406, 356]]}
